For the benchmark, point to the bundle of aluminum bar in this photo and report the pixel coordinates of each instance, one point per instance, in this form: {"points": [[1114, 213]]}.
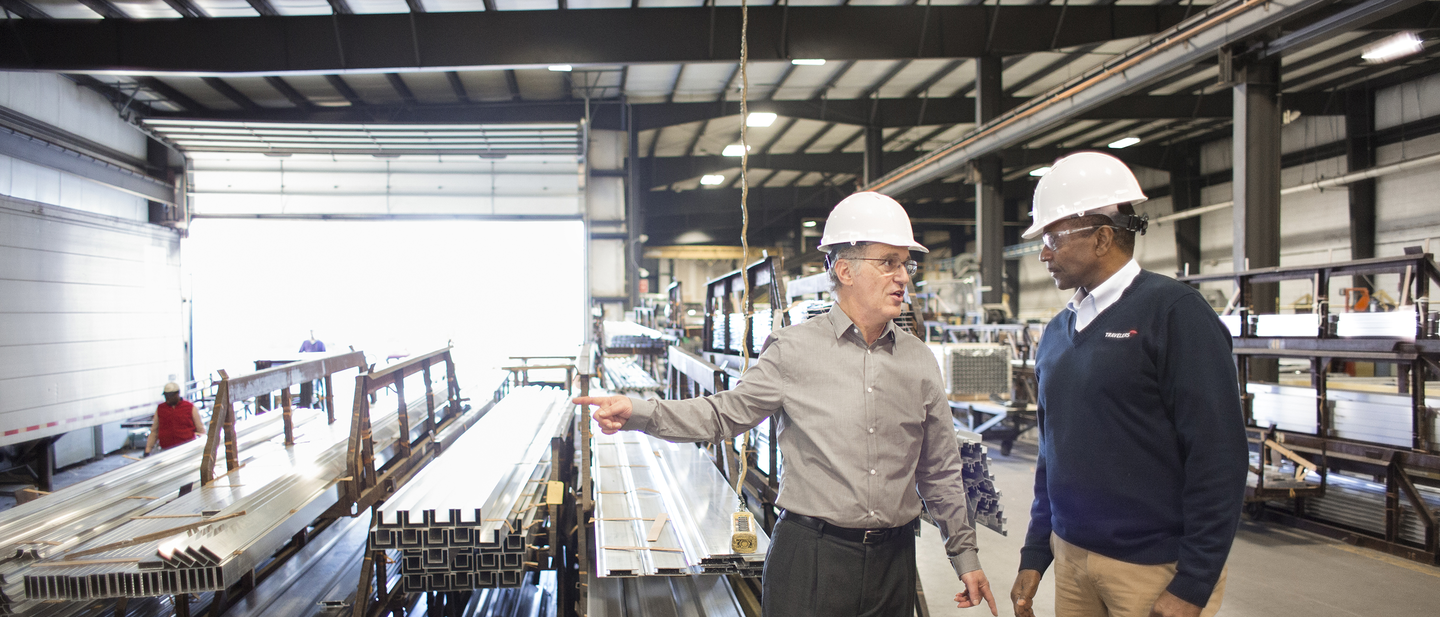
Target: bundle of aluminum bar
{"points": [[471, 518], [805, 310], [206, 540], [663, 509], [981, 496], [1360, 504], [63, 519], [624, 374], [697, 596], [1402, 323]]}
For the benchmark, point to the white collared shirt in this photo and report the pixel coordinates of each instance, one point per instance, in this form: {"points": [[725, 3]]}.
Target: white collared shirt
{"points": [[1089, 304]]}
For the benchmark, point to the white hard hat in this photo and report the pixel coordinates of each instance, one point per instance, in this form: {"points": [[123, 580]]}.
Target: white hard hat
{"points": [[1081, 183], [869, 217], [172, 387]]}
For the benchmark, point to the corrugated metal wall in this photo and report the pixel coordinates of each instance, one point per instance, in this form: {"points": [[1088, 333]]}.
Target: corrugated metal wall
{"points": [[90, 318], [90, 305]]}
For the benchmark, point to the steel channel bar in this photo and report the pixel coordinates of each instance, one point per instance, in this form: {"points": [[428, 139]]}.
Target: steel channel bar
{"points": [[274, 482], [440, 548]]}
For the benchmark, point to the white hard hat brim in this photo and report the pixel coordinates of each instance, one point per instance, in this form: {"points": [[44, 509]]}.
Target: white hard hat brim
{"points": [[914, 246]]}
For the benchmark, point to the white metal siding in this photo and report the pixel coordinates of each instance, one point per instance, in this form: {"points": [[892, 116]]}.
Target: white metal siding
{"points": [[90, 318]]}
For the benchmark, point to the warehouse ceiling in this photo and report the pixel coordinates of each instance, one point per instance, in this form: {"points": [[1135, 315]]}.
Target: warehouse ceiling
{"points": [[669, 69]]}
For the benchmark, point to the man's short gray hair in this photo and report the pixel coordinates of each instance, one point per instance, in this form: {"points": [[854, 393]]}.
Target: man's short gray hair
{"points": [[844, 251]]}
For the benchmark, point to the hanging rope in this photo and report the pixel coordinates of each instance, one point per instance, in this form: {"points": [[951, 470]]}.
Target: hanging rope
{"points": [[744, 230]]}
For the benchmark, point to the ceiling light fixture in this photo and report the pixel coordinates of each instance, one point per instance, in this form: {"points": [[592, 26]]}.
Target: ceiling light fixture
{"points": [[1392, 47], [561, 68], [808, 224], [760, 119], [734, 150], [712, 179], [1040, 171], [808, 62], [1124, 143]]}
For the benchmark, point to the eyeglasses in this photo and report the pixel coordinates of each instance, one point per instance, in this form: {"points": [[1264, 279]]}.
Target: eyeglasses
{"points": [[889, 265], [1051, 239]]}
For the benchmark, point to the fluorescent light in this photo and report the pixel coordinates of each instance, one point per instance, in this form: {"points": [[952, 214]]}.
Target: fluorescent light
{"points": [[808, 62], [712, 179], [808, 224], [561, 68], [760, 118], [690, 312], [734, 150], [1040, 171], [1124, 143], [1392, 47]]}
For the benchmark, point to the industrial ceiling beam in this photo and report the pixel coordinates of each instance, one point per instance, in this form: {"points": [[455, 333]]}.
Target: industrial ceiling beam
{"points": [[1220, 25], [667, 170], [888, 112], [23, 9], [386, 42], [187, 8]]}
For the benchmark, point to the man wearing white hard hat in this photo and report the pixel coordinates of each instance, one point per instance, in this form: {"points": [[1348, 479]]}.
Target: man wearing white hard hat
{"points": [[1141, 471], [864, 429], [176, 421]]}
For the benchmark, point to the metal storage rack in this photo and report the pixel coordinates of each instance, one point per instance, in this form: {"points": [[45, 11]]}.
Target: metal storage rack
{"points": [[1298, 494]]}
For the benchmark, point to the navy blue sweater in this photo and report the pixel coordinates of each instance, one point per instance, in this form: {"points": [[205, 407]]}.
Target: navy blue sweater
{"points": [[1142, 447]]}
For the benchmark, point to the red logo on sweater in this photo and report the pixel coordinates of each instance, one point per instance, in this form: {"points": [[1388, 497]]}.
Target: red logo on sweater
{"points": [[1121, 334]]}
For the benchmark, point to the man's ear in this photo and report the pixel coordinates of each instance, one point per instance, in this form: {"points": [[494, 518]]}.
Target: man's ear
{"points": [[1104, 241], [843, 271]]}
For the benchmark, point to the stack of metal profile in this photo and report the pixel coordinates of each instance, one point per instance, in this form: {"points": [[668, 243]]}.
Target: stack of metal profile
{"points": [[207, 539], [1360, 504], [737, 332], [628, 334], [471, 519], [1402, 323], [981, 496], [717, 329], [1299, 324], [699, 596], [663, 509], [61, 520], [762, 323], [806, 310], [624, 374]]}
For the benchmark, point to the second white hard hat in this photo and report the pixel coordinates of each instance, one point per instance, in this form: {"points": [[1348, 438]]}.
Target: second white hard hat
{"points": [[869, 217], [1081, 183]]}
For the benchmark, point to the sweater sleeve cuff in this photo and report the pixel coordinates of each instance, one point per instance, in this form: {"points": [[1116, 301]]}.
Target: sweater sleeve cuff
{"points": [[640, 413], [1191, 589], [1036, 559], [966, 562]]}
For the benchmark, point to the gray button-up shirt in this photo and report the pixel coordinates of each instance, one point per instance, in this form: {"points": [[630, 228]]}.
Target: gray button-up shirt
{"points": [[865, 431]]}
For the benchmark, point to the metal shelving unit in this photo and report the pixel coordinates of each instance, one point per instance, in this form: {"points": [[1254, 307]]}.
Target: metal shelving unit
{"points": [[1382, 435]]}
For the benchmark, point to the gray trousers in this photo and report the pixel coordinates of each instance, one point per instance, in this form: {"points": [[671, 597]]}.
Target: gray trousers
{"points": [[810, 574]]}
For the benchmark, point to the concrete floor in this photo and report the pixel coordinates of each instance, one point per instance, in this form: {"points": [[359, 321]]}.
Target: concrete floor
{"points": [[1274, 570]]}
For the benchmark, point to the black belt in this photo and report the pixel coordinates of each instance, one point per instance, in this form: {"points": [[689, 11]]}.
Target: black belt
{"points": [[862, 536]]}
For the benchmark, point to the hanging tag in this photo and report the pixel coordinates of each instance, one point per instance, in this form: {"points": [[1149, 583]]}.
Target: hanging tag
{"points": [[554, 493]]}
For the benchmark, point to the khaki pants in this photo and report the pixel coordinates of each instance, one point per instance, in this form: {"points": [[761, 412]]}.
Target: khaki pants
{"points": [[1090, 584]]}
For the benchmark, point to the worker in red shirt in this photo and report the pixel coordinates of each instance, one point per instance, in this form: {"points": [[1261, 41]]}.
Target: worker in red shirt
{"points": [[176, 421]]}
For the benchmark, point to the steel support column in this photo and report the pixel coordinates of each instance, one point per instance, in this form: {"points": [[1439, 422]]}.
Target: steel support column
{"points": [[1257, 186], [874, 146], [634, 245], [1184, 195], [989, 200], [1360, 155]]}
